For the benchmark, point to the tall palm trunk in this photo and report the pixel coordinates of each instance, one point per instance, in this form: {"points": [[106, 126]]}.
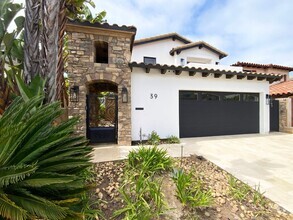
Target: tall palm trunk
{"points": [[31, 40], [60, 82], [50, 13]]}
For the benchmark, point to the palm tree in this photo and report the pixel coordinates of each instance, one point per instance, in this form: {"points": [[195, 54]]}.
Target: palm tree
{"points": [[52, 15], [49, 42], [31, 40]]}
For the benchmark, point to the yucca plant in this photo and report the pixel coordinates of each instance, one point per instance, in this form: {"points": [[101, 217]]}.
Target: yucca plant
{"points": [[40, 163]]}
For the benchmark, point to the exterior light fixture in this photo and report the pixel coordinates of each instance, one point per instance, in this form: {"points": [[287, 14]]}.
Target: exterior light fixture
{"points": [[124, 94], [269, 99], [74, 94]]}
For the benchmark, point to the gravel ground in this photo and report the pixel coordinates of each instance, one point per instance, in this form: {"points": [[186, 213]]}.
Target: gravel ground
{"points": [[109, 176]]}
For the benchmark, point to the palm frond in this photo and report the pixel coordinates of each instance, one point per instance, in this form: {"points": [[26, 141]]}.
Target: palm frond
{"points": [[13, 174]]}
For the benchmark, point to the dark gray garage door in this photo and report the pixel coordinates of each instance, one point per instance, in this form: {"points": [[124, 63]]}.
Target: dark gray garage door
{"points": [[217, 113]]}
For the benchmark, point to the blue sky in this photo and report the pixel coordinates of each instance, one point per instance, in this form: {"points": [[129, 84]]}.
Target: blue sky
{"points": [[258, 31]]}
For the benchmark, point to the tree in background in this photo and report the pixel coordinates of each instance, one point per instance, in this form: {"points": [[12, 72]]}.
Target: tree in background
{"points": [[11, 53], [45, 22]]}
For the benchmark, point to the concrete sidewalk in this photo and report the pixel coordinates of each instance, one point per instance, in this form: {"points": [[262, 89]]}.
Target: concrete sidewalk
{"points": [[265, 160]]}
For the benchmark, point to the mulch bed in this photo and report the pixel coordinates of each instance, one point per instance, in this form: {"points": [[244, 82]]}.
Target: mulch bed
{"points": [[109, 176]]}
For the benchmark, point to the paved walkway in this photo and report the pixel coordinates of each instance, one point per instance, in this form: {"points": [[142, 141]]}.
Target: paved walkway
{"points": [[266, 160]]}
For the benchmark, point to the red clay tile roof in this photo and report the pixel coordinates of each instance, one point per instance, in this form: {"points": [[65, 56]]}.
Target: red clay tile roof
{"points": [[198, 44], [282, 89], [162, 37], [265, 66]]}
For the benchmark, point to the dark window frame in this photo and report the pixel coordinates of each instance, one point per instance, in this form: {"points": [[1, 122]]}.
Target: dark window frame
{"points": [[231, 100], [150, 58], [251, 94], [214, 94]]}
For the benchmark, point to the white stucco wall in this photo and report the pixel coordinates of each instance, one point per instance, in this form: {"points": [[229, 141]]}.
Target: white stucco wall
{"points": [[198, 53], [162, 114], [158, 49]]}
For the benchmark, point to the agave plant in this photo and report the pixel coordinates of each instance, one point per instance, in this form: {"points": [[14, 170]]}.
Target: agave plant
{"points": [[40, 163]]}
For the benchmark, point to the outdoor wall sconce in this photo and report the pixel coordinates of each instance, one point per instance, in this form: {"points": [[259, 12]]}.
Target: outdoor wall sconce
{"points": [[124, 94], [74, 94], [269, 99]]}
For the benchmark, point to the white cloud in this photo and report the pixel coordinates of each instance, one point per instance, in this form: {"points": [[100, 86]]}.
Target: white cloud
{"points": [[250, 30]]}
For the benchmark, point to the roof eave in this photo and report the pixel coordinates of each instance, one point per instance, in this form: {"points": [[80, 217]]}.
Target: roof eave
{"points": [[205, 71]]}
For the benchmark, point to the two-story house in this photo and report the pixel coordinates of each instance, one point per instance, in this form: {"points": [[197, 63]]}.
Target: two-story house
{"points": [[128, 88]]}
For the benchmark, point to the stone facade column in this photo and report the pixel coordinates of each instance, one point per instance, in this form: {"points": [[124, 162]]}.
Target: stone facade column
{"points": [[82, 71]]}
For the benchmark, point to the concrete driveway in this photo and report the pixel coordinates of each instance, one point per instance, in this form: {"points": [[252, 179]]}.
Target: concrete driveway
{"points": [[265, 160]]}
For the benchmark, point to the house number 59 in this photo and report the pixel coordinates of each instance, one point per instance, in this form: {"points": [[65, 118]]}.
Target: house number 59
{"points": [[154, 96]]}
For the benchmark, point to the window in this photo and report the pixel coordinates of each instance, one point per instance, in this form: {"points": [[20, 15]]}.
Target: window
{"points": [[210, 97], [182, 62], [101, 52], [231, 97], [189, 95], [250, 97], [149, 60]]}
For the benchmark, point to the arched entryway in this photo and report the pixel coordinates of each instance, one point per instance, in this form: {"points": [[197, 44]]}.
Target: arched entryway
{"points": [[102, 109]]}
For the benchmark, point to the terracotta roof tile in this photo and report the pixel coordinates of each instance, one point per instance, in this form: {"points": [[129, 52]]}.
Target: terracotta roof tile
{"points": [[265, 66], [282, 89]]}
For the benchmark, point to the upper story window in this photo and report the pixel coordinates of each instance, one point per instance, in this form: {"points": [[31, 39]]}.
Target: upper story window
{"points": [[101, 52], [182, 61], [149, 60]]}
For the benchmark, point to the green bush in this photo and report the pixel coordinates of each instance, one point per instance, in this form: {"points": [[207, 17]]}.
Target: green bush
{"points": [[154, 138], [173, 140], [143, 198], [190, 190], [149, 160], [40, 163]]}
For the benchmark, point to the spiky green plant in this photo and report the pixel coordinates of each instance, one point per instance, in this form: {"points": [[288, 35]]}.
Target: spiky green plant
{"points": [[148, 160], [40, 163], [190, 190]]}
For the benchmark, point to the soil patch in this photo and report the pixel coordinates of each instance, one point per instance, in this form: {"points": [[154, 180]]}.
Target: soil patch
{"points": [[109, 177]]}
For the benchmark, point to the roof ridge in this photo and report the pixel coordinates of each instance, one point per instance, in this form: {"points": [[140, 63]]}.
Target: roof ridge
{"points": [[195, 43], [161, 37]]}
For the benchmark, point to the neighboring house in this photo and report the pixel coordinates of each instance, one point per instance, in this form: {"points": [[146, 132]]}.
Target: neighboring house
{"points": [[124, 89], [281, 91]]}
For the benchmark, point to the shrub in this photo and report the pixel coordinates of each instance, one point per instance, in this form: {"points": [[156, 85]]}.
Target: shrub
{"points": [[143, 198], [173, 140], [40, 163], [238, 190], [149, 160], [190, 191], [154, 138]]}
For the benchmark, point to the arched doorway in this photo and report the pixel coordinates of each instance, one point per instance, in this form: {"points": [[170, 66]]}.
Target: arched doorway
{"points": [[102, 108]]}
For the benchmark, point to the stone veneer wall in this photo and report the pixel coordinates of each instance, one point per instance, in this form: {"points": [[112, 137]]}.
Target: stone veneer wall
{"points": [[284, 115], [82, 71]]}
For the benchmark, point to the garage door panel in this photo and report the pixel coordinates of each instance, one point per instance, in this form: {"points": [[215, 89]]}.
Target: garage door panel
{"points": [[207, 118]]}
